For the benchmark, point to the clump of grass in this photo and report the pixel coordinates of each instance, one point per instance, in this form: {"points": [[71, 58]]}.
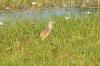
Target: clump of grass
{"points": [[73, 42]]}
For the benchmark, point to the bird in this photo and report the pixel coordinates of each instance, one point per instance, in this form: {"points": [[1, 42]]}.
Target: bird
{"points": [[46, 32]]}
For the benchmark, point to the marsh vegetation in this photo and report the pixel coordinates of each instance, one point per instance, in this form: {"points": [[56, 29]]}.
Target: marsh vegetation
{"points": [[73, 41]]}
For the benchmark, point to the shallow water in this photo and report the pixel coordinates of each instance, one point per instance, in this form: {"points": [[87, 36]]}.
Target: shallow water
{"points": [[45, 13]]}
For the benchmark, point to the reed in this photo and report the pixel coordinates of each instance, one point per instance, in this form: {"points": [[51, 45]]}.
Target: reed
{"points": [[27, 4]]}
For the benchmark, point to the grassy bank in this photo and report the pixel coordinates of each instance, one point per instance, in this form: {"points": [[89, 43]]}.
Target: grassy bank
{"points": [[74, 42], [27, 4]]}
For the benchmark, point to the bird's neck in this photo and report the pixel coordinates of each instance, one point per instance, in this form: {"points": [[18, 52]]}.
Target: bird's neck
{"points": [[50, 26]]}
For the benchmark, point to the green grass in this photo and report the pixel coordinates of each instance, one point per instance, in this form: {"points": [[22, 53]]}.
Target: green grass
{"points": [[74, 42]]}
